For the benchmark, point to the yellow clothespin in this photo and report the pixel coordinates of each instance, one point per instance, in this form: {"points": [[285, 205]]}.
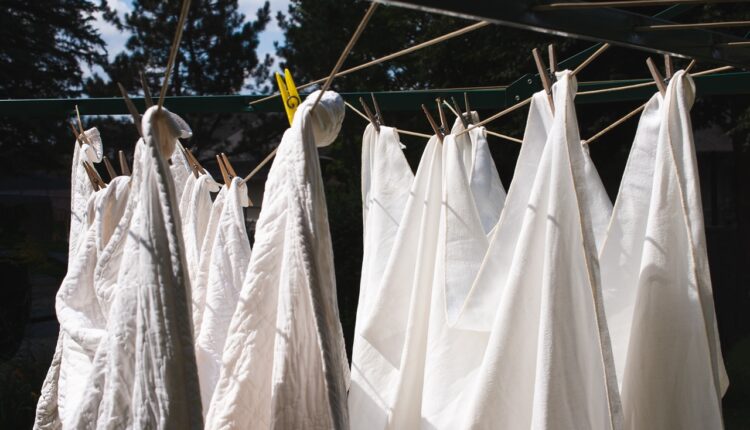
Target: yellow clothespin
{"points": [[289, 94]]}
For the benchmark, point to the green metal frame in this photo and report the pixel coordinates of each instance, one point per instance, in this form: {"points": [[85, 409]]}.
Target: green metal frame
{"points": [[490, 99], [493, 98]]}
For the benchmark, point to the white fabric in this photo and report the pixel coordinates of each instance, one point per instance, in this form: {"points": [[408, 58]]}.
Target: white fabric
{"points": [[47, 412], [284, 364], [203, 221], [229, 259], [79, 310], [548, 361], [144, 373], [656, 281], [485, 185], [180, 168], [195, 213], [80, 186], [386, 182], [397, 322]]}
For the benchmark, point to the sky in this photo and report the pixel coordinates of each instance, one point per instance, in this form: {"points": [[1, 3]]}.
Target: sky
{"points": [[115, 39]]}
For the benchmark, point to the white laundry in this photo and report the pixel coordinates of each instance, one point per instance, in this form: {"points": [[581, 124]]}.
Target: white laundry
{"points": [[485, 185], [89, 149], [203, 221], [180, 168], [461, 249], [396, 324], [184, 203], [144, 373], [284, 363], [655, 277], [386, 182], [78, 308], [230, 256], [548, 361]]}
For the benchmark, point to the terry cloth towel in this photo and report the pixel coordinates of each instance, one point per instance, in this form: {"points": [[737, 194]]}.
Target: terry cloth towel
{"points": [[484, 181], [80, 312], [200, 217], [386, 182], [89, 149], [548, 361], [396, 324], [655, 277], [204, 257], [180, 168], [284, 364], [144, 373], [230, 255]]}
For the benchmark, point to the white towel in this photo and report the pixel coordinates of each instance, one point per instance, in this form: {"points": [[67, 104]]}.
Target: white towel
{"points": [[203, 206], [397, 322], [284, 364], [144, 373], [386, 182], [486, 187], [50, 406], [180, 168], [656, 280], [230, 255], [548, 360]]}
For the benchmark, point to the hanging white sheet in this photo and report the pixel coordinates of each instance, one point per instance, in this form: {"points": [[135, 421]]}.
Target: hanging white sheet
{"points": [[548, 360], [284, 364], [396, 325], [144, 373], [230, 255], [484, 181], [180, 168], [655, 277], [386, 182], [89, 149]]}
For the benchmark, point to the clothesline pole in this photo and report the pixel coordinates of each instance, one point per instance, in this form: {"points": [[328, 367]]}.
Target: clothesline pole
{"points": [[388, 57], [643, 106], [623, 4], [173, 51], [339, 63]]}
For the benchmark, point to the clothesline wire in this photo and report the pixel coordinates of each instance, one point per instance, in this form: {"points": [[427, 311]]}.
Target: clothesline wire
{"points": [[345, 52], [342, 57], [491, 133], [635, 111], [520, 104], [388, 57], [400, 131]]}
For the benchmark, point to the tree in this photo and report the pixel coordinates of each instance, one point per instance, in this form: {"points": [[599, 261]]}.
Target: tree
{"points": [[217, 56], [44, 44]]}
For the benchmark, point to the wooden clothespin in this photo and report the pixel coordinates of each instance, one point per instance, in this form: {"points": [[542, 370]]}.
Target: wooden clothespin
{"points": [[223, 169], [542, 70], [131, 108], [434, 126], [194, 167], [379, 115], [77, 136], [228, 166], [110, 170], [372, 119], [123, 163], [460, 114], [668, 66], [146, 91], [289, 94], [80, 127], [656, 76], [552, 53], [443, 120], [469, 117], [96, 180], [194, 160]]}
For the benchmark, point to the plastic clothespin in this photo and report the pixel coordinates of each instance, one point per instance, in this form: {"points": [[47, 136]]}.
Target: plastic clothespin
{"points": [[289, 94]]}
